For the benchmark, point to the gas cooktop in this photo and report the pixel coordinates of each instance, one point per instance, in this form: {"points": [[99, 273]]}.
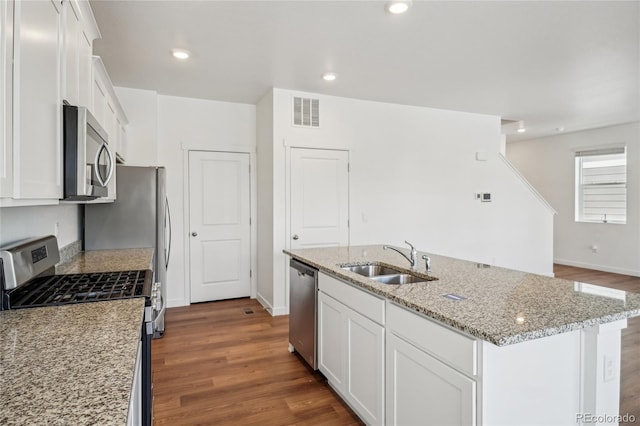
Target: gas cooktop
{"points": [[78, 288]]}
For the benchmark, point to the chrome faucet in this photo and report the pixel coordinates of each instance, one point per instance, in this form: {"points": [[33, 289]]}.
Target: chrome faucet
{"points": [[427, 260], [413, 260]]}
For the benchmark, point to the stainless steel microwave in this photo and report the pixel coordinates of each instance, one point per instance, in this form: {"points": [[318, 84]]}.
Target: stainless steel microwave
{"points": [[88, 162]]}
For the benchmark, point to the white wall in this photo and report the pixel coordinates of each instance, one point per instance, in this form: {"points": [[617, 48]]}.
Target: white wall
{"points": [[414, 174], [17, 223], [183, 124], [264, 139], [548, 163], [141, 108]]}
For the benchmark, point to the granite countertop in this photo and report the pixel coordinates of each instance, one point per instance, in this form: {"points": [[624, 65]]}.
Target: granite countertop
{"points": [[108, 260], [69, 365], [501, 306]]}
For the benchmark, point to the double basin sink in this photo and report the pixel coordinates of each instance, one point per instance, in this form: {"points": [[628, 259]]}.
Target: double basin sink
{"points": [[387, 275]]}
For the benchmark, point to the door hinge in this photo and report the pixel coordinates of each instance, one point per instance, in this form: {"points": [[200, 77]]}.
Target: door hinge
{"points": [[348, 167], [249, 221], [348, 223], [250, 273], [249, 168]]}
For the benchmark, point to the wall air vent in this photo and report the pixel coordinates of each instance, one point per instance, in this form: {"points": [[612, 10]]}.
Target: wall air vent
{"points": [[306, 112]]}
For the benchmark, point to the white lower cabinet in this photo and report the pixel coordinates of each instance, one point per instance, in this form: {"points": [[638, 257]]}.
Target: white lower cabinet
{"points": [[365, 367], [332, 347], [351, 349], [424, 391]]}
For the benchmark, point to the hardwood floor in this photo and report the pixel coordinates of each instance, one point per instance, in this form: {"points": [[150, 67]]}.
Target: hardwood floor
{"points": [[218, 364]]}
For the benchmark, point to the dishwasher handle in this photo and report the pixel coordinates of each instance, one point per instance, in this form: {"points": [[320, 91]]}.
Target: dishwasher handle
{"points": [[303, 269]]}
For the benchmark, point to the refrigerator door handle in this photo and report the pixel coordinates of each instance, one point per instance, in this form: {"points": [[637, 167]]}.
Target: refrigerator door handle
{"points": [[168, 216]]}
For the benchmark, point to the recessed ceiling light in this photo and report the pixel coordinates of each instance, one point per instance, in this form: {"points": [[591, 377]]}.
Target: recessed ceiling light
{"points": [[180, 53], [521, 128], [560, 129], [329, 76], [397, 6]]}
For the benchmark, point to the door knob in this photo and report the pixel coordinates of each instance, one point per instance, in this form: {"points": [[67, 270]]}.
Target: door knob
{"points": [[194, 234], [296, 237]]}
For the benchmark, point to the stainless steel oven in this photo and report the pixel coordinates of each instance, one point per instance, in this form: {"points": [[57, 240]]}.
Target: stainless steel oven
{"points": [[28, 280], [88, 162]]}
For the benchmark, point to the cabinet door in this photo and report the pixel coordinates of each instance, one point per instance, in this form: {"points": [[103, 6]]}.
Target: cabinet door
{"points": [[37, 106], [71, 64], [85, 58], [423, 391], [365, 367], [332, 347], [99, 99], [6, 100]]}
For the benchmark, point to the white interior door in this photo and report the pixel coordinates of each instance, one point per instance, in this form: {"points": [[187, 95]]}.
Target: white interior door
{"points": [[319, 198], [219, 219]]}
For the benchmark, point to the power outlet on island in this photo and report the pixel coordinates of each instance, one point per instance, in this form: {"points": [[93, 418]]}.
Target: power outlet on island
{"points": [[609, 369]]}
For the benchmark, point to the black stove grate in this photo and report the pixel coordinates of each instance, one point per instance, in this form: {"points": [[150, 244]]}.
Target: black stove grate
{"points": [[78, 288]]}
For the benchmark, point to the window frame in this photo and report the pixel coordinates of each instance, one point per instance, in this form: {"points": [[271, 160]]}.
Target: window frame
{"points": [[610, 155]]}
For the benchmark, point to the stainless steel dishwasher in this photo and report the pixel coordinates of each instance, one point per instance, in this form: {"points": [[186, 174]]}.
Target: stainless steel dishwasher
{"points": [[303, 295]]}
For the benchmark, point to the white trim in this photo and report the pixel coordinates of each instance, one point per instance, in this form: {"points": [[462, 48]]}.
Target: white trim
{"points": [[185, 224], [251, 149], [526, 183], [174, 303], [596, 267], [274, 312]]}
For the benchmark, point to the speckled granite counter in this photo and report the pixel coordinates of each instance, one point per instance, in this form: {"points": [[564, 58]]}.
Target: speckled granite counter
{"points": [[108, 260], [502, 306], [69, 365]]}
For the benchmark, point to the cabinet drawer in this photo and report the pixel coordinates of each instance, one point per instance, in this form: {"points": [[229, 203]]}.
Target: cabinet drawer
{"points": [[364, 303], [447, 345]]}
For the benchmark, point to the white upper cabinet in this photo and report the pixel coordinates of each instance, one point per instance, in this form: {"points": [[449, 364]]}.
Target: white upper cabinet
{"points": [[107, 109], [36, 144], [45, 59], [79, 32], [6, 103]]}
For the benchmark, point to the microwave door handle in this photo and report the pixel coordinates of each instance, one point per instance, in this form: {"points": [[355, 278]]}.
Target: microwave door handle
{"points": [[96, 166], [112, 165], [104, 148]]}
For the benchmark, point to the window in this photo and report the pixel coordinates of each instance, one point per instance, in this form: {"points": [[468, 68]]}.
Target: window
{"points": [[601, 185]]}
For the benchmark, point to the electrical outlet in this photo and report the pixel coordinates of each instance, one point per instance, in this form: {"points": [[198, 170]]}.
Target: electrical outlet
{"points": [[609, 372]]}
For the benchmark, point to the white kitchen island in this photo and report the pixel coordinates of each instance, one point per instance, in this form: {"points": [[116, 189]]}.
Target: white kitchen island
{"points": [[479, 345]]}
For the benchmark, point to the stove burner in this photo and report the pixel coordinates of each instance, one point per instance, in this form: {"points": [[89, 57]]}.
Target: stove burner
{"points": [[79, 288]]}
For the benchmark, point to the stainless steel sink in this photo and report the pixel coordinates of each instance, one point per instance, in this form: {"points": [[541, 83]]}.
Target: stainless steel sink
{"points": [[386, 275], [371, 270], [398, 279]]}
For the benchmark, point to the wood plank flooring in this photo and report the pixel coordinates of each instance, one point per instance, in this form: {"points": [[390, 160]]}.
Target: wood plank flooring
{"points": [[219, 365]]}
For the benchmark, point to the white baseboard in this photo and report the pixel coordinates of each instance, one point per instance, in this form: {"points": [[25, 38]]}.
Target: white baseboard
{"points": [[273, 311], [174, 303], [282, 310], [265, 303], [597, 267]]}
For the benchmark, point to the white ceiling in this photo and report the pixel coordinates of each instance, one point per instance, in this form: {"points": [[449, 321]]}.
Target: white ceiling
{"points": [[552, 64]]}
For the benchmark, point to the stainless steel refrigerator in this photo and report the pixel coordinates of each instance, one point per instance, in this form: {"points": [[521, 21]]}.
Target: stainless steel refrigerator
{"points": [[138, 218]]}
